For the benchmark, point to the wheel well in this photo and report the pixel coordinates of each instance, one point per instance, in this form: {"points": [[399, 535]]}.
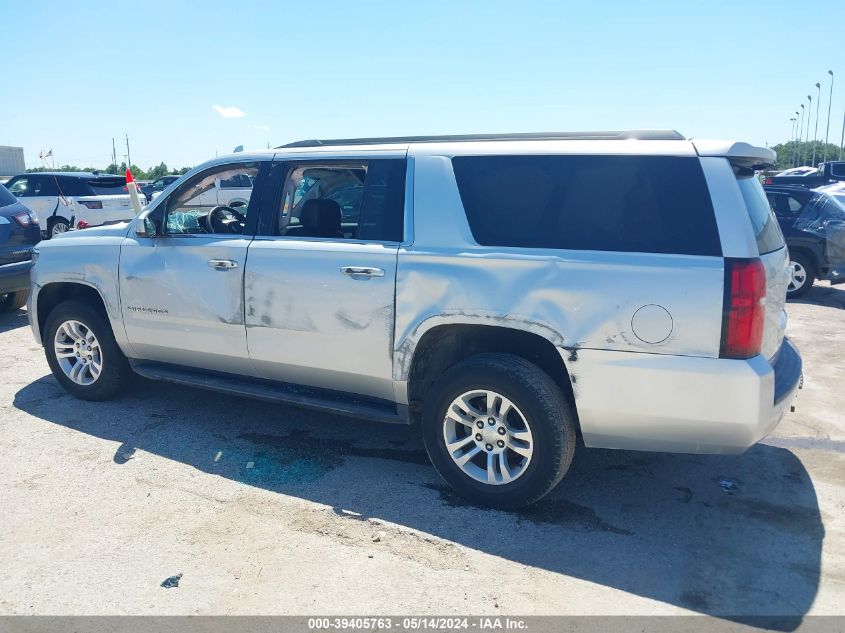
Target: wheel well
{"points": [[445, 345], [53, 294], [809, 254]]}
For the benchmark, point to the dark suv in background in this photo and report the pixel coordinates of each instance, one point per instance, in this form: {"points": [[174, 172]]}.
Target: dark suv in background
{"points": [[813, 224], [18, 234]]}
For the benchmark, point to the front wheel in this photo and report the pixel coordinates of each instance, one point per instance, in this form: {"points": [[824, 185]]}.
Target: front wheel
{"points": [[83, 354], [499, 430]]}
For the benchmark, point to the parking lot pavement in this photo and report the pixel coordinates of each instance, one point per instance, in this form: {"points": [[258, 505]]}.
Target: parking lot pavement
{"points": [[259, 508]]}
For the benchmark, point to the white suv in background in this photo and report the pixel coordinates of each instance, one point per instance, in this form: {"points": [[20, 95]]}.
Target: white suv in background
{"points": [[65, 200], [505, 292]]}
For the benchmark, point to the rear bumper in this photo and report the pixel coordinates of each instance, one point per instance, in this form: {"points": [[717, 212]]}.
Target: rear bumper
{"points": [[681, 404], [14, 277]]}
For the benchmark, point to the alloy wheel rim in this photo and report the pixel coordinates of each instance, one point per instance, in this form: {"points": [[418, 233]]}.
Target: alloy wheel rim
{"points": [[488, 437], [78, 352], [798, 277], [59, 227]]}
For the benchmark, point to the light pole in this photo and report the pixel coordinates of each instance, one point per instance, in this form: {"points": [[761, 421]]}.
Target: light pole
{"points": [[800, 137], [816, 129], [829, 103], [809, 116], [791, 136], [795, 148]]}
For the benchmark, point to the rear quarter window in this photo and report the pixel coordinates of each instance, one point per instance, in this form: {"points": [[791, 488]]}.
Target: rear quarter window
{"points": [[648, 204], [763, 222]]}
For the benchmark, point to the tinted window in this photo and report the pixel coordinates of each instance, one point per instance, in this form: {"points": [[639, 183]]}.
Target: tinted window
{"points": [[837, 169], [766, 227], [19, 187], [71, 186], [651, 204], [108, 186], [6, 198], [44, 186]]}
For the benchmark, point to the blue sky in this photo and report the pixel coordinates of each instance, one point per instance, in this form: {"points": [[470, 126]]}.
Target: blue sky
{"points": [[76, 77]]}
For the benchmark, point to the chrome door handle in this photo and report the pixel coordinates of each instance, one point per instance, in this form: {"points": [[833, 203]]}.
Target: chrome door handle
{"points": [[362, 270], [222, 264]]}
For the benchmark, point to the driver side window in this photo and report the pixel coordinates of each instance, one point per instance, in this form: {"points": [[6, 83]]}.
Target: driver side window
{"points": [[208, 203]]}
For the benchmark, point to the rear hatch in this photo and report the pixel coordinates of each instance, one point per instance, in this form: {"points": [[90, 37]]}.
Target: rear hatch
{"points": [[773, 254], [109, 201]]}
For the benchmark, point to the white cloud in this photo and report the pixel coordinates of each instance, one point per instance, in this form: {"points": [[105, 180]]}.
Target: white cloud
{"points": [[260, 127], [229, 112]]}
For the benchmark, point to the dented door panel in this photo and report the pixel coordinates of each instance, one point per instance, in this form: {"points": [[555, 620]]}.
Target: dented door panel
{"points": [[178, 309], [310, 323]]}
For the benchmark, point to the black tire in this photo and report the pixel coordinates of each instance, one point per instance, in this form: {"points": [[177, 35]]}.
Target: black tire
{"points": [[59, 223], [13, 300], [115, 375], [546, 409], [810, 270]]}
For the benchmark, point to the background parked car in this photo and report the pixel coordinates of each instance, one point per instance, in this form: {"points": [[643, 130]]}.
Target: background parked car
{"points": [[797, 171], [833, 171], [158, 185], [813, 224], [836, 190], [18, 234], [64, 199]]}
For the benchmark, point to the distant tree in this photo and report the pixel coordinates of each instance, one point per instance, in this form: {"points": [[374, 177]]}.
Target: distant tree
{"points": [[139, 174], [800, 153]]}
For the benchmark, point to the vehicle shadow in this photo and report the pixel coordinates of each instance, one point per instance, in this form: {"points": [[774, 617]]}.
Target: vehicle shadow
{"points": [[12, 320], [823, 295], [733, 536]]}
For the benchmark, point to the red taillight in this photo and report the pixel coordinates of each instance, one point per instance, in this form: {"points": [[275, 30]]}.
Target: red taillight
{"points": [[744, 308], [82, 224], [25, 218], [91, 204], [767, 181]]}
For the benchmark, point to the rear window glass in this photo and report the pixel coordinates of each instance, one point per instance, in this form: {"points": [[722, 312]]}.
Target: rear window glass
{"points": [[766, 227], [108, 186], [648, 204], [6, 198]]}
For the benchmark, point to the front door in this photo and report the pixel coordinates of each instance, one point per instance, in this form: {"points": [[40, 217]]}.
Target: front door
{"points": [[320, 276], [181, 292]]}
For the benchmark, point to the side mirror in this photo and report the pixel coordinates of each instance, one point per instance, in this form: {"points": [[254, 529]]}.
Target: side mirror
{"points": [[145, 227]]}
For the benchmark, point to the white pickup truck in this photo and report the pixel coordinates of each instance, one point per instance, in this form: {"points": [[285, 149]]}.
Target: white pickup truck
{"points": [[65, 200]]}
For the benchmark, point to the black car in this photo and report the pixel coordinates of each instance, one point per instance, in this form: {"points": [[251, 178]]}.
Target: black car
{"points": [[813, 224], [159, 184], [19, 232]]}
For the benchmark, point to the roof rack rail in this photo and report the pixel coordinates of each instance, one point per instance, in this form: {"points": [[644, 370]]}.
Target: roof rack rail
{"points": [[644, 135]]}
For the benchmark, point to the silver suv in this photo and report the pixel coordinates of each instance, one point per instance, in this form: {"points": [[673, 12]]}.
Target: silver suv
{"points": [[508, 293]]}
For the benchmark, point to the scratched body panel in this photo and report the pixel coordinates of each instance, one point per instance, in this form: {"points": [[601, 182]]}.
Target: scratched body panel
{"points": [[308, 323]]}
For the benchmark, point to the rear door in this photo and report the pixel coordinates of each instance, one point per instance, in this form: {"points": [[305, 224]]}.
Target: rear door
{"points": [[319, 287]]}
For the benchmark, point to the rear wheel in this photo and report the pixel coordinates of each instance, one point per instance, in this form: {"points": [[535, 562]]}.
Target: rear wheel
{"points": [[803, 275], [13, 300], [58, 226], [83, 354], [499, 430]]}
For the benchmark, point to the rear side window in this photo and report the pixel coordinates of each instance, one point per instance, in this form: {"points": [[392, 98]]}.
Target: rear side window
{"points": [[766, 227], [72, 186], [108, 186], [6, 198], [648, 204]]}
